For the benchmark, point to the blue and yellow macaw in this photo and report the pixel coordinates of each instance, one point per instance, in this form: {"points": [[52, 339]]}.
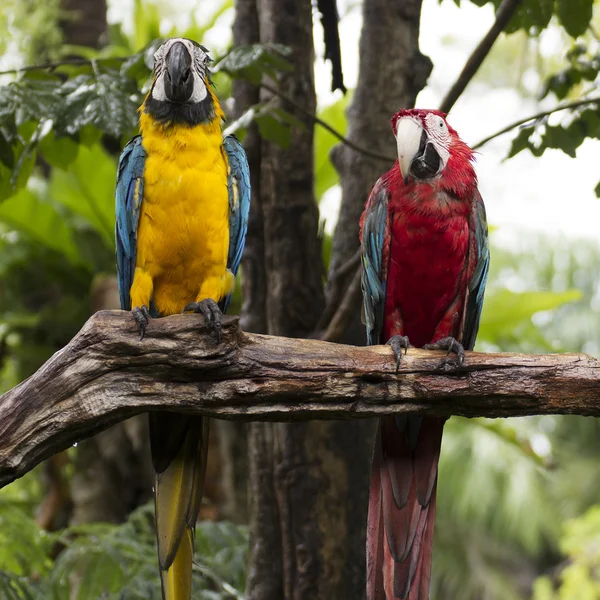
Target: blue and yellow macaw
{"points": [[182, 202]]}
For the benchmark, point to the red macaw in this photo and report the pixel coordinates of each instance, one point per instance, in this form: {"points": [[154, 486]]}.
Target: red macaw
{"points": [[425, 260]]}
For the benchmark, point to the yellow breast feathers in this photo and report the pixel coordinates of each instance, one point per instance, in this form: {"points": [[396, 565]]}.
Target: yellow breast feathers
{"points": [[183, 231]]}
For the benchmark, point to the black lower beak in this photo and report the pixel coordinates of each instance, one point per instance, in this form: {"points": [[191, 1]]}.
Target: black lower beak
{"points": [[426, 163], [179, 81]]}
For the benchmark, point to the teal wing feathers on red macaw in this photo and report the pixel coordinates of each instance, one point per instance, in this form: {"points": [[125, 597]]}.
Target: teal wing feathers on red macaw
{"points": [[375, 254], [418, 226], [478, 278], [376, 240]]}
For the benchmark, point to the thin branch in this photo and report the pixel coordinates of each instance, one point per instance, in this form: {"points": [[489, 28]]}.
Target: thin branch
{"points": [[342, 317], [105, 375], [503, 15], [328, 127], [536, 117], [335, 291], [51, 66], [345, 269]]}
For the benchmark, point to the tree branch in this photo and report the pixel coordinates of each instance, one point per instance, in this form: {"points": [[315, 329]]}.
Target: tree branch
{"points": [[346, 310], [537, 116], [335, 293], [503, 15], [105, 375], [328, 127]]}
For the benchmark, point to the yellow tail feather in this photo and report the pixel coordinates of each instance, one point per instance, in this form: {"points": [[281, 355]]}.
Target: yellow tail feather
{"points": [[177, 580], [179, 449]]}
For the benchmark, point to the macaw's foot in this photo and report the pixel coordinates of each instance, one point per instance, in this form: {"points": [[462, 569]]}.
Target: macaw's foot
{"points": [[399, 343], [142, 318], [212, 314], [451, 345]]}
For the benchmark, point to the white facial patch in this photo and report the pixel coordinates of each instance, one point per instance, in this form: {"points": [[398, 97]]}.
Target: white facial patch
{"points": [[199, 61], [439, 136]]}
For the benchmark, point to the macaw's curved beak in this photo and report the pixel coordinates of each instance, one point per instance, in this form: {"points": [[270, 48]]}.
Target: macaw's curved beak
{"points": [[417, 156], [179, 81]]}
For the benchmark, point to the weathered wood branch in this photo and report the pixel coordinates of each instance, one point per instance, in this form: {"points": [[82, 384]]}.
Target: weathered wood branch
{"points": [[105, 375]]}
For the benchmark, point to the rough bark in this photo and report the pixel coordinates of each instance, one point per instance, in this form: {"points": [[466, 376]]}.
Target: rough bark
{"points": [[105, 375], [254, 286], [233, 437], [290, 214], [84, 22], [285, 559]]}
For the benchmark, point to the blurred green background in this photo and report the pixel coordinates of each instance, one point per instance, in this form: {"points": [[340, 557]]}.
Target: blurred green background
{"points": [[519, 516]]}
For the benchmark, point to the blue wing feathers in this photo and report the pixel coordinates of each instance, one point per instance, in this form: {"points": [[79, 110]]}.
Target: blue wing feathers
{"points": [[373, 272], [478, 280], [129, 195], [239, 204]]}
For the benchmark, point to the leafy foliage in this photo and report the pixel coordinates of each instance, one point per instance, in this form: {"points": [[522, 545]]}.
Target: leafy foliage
{"points": [[534, 16], [579, 120], [82, 103], [101, 560], [579, 578], [255, 61]]}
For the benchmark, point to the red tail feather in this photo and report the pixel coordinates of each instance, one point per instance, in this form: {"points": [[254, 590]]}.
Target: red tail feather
{"points": [[402, 508]]}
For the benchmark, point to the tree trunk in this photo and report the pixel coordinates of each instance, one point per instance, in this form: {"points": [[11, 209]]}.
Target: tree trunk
{"points": [[307, 530], [284, 527], [233, 437], [84, 22]]}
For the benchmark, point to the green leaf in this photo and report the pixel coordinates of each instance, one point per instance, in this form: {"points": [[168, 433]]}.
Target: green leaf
{"points": [[26, 213], [521, 141], [25, 162], [87, 188], [7, 156], [253, 61], [532, 15], [58, 151], [503, 309], [575, 15], [597, 190], [108, 102], [273, 130], [560, 138]]}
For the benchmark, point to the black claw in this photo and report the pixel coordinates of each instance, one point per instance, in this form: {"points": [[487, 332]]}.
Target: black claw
{"points": [[212, 314], [399, 343], [451, 345], [142, 318]]}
